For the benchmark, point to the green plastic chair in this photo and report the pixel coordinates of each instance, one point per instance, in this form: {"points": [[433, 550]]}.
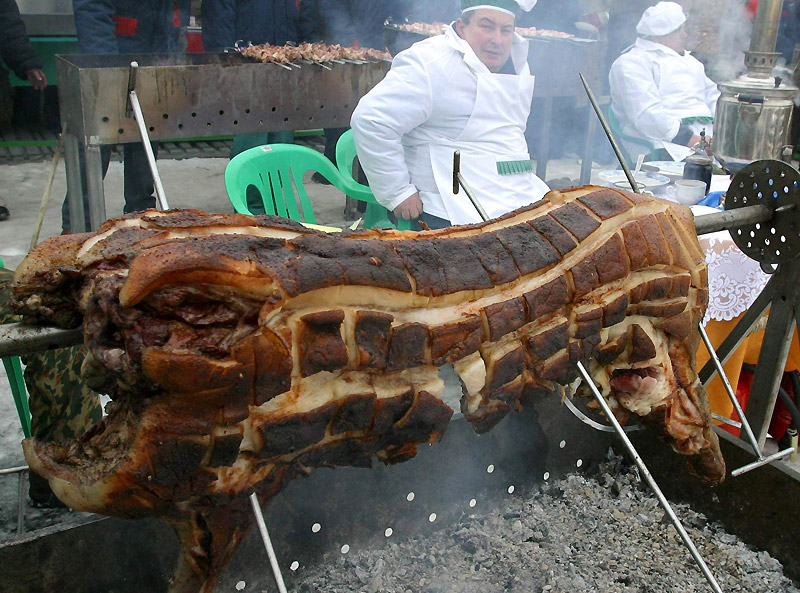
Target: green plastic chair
{"points": [[276, 171], [615, 126], [17, 381], [345, 155]]}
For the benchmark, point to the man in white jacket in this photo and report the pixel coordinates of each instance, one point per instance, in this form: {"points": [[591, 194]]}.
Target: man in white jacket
{"points": [[659, 92], [468, 90]]}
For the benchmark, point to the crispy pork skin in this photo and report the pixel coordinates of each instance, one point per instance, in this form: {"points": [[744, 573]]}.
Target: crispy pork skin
{"points": [[241, 351]]}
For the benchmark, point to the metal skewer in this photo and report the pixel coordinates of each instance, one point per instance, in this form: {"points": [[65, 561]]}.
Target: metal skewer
{"points": [[751, 437], [161, 197], [650, 480], [609, 133], [20, 471], [262, 528], [458, 180], [19, 338]]}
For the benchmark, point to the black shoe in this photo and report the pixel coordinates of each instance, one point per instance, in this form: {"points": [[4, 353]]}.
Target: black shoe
{"points": [[320, 178], [4, 213], [41, 495]]}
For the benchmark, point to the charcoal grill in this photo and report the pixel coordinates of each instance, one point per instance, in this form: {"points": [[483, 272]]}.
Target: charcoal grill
{"points": [[192, 96], [317, 519]]}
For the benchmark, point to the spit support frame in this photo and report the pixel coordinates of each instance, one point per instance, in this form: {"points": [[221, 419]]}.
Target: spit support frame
{"points": [[192, 96]]}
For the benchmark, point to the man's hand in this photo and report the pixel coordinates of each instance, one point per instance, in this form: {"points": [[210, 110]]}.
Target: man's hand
{"points": [[37, 78], [409, 208]]}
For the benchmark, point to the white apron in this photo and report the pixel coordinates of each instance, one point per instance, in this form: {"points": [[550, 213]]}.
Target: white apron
{"points": [[494, 134], [675, 77]]}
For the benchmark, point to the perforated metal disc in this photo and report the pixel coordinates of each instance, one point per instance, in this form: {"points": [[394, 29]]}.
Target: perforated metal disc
{"points": [[772, 184]]}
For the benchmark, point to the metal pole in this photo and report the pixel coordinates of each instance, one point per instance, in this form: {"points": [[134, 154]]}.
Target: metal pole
{"points": [[729, 390], [778, 338], [18, 338], [262, 528], [650, 480], [21, 502], [744, 423], [72, 165], [94, 187], [457, 176], [148, 149], [609, 133], [731, 219]]}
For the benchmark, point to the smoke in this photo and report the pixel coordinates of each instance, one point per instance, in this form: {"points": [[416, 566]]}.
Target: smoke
{"points": [[429, 11], [735, 30]]}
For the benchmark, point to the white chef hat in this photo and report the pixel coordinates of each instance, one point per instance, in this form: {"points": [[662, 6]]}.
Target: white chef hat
{"points": [[511, 7], [661, 19]]}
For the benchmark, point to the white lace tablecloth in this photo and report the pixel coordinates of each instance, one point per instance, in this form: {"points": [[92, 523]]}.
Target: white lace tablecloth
{"points": [[734, 280]]}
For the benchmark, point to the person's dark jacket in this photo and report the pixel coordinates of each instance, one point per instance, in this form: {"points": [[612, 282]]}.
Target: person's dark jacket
{"points": [[15, 46], [129, 26], [255, 21], [347, 21]]}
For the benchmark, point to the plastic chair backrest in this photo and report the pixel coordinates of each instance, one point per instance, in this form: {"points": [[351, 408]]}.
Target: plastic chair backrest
{"points": [[615, 126], [276, 172], [376, 215], [17, 382]]}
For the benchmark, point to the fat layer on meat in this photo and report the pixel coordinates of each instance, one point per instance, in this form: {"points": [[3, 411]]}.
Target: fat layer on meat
{"points": [[242, 351]]}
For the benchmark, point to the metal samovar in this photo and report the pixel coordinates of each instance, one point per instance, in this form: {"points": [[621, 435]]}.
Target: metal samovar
{"points": [[754, 112]]}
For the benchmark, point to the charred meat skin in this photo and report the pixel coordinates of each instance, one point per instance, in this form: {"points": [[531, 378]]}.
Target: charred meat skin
{"points": [[242, 351]]}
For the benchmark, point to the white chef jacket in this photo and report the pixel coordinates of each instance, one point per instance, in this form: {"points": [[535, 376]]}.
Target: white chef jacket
{"points": [[426, 98], [654, 87]]}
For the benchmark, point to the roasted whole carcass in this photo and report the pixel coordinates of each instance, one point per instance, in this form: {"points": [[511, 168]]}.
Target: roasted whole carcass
{"points": [[241, 351]]}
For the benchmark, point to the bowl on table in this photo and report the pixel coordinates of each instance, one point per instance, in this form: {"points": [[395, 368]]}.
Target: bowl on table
{"points": [[652, 182], [671, 169]]}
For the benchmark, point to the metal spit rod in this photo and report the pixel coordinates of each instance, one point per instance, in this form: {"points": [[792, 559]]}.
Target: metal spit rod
{"points": [[20, 471], [148, 149], [650, 480], [262, 528], [18, 338], [458, 180], [762, 460], [609, 133]]}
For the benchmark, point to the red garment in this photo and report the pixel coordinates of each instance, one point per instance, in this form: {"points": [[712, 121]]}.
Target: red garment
{"points": [[752, 6], [125, 26]]}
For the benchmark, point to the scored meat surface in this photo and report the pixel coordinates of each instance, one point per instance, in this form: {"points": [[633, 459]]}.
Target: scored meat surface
{"points": [[241, 351]]}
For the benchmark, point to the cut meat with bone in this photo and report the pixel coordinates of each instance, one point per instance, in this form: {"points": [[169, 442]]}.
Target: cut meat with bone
{"points": [[241, 351]]}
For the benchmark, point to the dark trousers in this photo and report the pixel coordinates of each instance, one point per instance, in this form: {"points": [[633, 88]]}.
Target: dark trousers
{"points": [[137, 186], [434, 222]]}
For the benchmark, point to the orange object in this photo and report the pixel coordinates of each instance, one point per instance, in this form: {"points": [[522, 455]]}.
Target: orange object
{"points": [[748, 353]]}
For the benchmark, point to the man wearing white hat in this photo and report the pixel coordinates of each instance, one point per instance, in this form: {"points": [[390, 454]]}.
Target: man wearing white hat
{"points": [[659, 92], [468, 90]]}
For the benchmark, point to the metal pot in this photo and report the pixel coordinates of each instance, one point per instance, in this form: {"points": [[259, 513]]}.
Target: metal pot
{"points": [[753, 121]]}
